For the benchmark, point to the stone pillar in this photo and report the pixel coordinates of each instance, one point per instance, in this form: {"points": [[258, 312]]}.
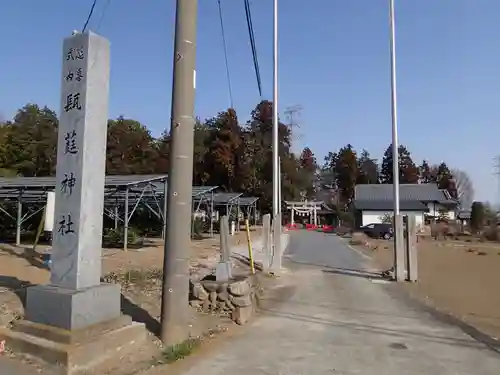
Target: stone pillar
{"points": [[276, 248], [399, 249], [411, 248], [75, 298], [75, 322], [223, 270], [292, 212], [266, 241]]}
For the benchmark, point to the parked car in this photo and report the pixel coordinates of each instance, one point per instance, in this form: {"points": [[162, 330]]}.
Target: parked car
{"points": [[378, 230]]}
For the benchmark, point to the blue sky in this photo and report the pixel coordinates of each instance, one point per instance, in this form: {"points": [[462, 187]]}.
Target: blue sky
{"points": [[334, 61]]}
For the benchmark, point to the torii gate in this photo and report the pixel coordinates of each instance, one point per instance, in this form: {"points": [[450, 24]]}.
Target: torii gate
{"points": [[305, 208]]}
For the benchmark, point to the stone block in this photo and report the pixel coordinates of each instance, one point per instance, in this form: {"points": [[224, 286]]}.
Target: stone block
{"points": [[223, 271], [213, 298], [239, 288], [72, 309], [229, 305], [223, 296], [206, 306], [199, 292], [79, 351], [242, 315], [242, 301], [196, 303]]}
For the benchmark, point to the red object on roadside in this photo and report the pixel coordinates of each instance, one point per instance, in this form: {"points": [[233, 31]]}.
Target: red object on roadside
{"points": [[311, 227]]}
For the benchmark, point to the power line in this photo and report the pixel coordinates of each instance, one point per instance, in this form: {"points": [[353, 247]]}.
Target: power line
{"points": [[89, 16], [225, 54], [252, 45]]}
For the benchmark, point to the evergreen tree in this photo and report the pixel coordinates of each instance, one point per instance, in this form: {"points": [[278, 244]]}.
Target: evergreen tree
{"points": [[408, 171]]}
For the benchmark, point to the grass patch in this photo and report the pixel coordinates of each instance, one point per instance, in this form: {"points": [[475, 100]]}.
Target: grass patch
{"points": [[180, 351], [134, 276]]}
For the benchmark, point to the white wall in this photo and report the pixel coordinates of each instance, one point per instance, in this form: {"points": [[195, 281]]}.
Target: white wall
{"points": [[434, 209], [374, 217]]}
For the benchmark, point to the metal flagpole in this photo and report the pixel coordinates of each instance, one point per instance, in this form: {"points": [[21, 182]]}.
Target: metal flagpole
{"points": [[394, 113], [398, 230], [276, 192]]}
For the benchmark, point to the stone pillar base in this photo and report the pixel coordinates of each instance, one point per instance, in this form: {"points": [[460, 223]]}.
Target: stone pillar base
{"points": [[79, 351], [72, 309]]}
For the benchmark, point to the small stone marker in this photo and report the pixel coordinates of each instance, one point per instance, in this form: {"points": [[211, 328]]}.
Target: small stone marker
{"points": [[411, 248], [399, 271], [76, 298], [266, 241], [276, 247], [225, 255], [223, 270]]}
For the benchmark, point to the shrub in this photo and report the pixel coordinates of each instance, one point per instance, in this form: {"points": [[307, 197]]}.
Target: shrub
{"points": [[114, 237], [492, 233], [478, 216]]}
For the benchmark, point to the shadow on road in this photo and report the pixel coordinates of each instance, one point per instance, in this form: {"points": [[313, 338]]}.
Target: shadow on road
{"points": [[354, 272], [398, 333]]}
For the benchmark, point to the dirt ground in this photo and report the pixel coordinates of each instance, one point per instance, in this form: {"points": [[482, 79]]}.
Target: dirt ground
{"points": [[18, 269], [138, 272], [458, 277]]}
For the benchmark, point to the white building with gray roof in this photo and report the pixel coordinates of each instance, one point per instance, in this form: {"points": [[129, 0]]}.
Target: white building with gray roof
{"points": [[375, 201]]}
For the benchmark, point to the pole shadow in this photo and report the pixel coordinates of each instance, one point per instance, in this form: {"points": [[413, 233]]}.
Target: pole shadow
{"points": [[31, 256], [16, 286], [354, 272], [140, 315]]}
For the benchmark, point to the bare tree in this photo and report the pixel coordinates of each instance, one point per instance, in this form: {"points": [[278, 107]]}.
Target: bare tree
{"points": [[465, 188]]}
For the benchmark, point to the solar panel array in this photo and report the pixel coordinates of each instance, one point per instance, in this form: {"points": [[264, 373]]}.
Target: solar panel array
{"points": [[147, 187], [50, 182], [248, 201], [226, 198], [150, 187]]}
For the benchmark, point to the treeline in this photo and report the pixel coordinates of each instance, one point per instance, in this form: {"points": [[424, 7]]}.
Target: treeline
{"points": [[234, 156], [227, 154], [344, 169]]}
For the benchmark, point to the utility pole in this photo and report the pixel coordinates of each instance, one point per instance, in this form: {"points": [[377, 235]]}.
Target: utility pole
{"points": [[276, 177], [175, 288], [290, 112], [496, 172], [398, 227]]}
